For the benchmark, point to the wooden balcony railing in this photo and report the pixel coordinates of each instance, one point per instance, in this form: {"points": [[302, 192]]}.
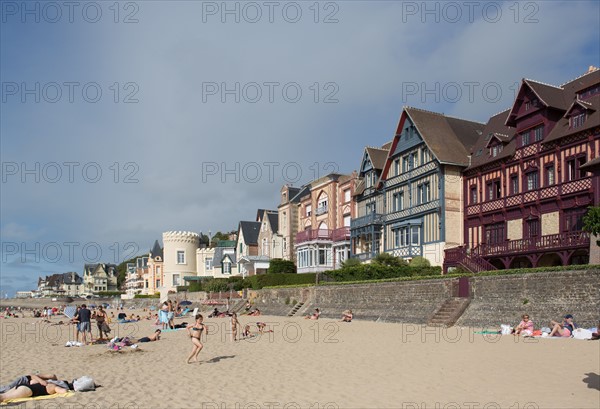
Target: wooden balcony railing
{"points": [[548, 192], [458, 256], [373, 218], [550, 242]]}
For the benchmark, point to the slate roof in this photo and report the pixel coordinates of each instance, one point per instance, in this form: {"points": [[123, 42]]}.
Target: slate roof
{"points": [[378, 157], [220, 254], [250, 230], [274, 221], [450, 139], [157, 250], [561, 129], [495, 127]]}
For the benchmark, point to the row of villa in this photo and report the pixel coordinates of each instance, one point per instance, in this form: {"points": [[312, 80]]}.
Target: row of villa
{"points": [[511, 192]]}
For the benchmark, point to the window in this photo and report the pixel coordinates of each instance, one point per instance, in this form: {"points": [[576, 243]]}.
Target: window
{"points": [[493, 190], [322, 205], [494, 233], [397, 166], [226, 267], [532, 180], [532, 228], [397, 238], [347, 219], [538, 133], [208, 263], [180, 257], [283, 220], [396, 201], [514, 184], [525, 139], [370, 208], [577, 120], [404, 164], [573, 168], [308, 210], [415, 235], [425, 155], [495, 150], [527, 105], [176, 280], [414, 160], [346, 196], [473, 194], [285, 243], [549, 171], [424, 193], [574, 219]]}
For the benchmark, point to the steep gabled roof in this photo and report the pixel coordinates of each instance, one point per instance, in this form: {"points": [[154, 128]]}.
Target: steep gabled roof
{"points": [[250, 231], [495, 127], [220, 254], [549, 95], [562, 128], [449, 139], [377, 156], [274, 221]]}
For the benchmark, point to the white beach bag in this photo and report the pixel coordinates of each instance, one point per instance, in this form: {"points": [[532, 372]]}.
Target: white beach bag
{"points": [[506, 329], [580, 333]]}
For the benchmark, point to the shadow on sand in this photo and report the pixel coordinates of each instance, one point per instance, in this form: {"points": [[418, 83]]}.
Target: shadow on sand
{"points": [[218, 358], [592, 380]]}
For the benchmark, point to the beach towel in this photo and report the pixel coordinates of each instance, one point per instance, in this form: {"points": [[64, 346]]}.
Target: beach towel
{"points": [[487, 332], [580, 333], [56, 395]]}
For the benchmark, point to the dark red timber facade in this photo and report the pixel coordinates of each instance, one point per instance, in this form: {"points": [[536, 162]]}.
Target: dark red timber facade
{"points": [[527, 188]]}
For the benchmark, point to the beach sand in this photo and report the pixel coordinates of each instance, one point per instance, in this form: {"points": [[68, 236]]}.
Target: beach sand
{"points": [[316, 364]]}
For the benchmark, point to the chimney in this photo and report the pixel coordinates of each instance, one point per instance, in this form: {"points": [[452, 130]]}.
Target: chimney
{"points": [[592, 69]]}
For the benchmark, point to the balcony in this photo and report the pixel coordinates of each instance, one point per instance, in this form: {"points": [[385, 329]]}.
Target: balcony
{"points": [[550, 192], [341, 234], [321, 210], [373, 218], [552, 242], [312, 235]]}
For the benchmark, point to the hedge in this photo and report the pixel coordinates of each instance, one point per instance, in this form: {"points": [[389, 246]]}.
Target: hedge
{"points": [[147, 296], [278, 266], [367, 272], [109, 293], [270, 280]]}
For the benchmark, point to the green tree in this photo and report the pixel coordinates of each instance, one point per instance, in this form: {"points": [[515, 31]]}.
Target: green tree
{"points": [[278, 265], [419, 261], [591, 221], [350, 262], [386, 259]]}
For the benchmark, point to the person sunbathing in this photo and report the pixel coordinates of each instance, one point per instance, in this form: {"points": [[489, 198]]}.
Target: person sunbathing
{"points": [[347, 316], [255, 313], [596, 335], [314, 316], [525, 327], [30, 386], [563, 330], [151, 338]]}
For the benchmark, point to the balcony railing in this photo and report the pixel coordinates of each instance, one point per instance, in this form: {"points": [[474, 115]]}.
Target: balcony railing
{"points": [[550, 242], [548, 192], [321, 210], [310, 235], [373, 218], [341, 234]]}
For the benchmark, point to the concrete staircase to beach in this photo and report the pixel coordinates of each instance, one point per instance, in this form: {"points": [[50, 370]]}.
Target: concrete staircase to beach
{"points": [[295, 309], [449, 312]]}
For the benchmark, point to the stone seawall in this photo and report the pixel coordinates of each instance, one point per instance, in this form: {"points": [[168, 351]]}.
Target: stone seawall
{"points": [[494, 300], [544, 296]]}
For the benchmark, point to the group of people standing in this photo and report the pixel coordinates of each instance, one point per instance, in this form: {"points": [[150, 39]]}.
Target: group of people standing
{"points": [[83, 320]]}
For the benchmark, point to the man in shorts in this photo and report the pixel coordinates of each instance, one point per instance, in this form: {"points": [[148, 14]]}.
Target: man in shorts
{"points": [[84, 317]]}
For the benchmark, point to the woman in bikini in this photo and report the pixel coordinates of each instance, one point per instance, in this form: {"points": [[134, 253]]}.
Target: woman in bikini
{"points": [[195, 331], [35, 386], [234, 327]]}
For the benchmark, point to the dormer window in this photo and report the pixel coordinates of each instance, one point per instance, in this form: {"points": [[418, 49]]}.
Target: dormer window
{"points": [[495, 150], [577, 121]]}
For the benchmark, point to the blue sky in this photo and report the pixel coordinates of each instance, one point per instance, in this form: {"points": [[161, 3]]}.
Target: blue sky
{"points": [[171, 134]]}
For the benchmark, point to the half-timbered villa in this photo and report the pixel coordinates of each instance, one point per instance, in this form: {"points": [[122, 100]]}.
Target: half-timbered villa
{"points": [[528, 187]]}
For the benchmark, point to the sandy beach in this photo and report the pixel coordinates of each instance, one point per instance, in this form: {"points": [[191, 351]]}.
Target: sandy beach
{"points": [[311, 364]]}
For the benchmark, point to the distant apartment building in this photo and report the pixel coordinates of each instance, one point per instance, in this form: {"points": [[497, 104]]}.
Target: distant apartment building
{"points": [[325, 210], [288, 220]]}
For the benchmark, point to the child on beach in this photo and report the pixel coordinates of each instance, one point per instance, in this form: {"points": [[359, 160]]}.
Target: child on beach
{"points": [[194, 331], [246, 332], [234, 326]]}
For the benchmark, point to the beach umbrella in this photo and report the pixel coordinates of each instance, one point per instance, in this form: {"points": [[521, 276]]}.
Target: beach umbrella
{"points": [[185, 303]]}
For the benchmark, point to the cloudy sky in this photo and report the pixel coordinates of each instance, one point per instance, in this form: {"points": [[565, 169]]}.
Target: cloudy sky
{"points": [[121, 122]]}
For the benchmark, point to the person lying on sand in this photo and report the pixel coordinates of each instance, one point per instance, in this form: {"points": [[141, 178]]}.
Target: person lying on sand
{"points": [[596, 335], [347, 316], [151, 338], [255, 313], [30, 386], [314, 316]]}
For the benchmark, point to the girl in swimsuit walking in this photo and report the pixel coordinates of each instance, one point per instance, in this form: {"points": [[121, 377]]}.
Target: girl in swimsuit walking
{"points": [[195, 330]]}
